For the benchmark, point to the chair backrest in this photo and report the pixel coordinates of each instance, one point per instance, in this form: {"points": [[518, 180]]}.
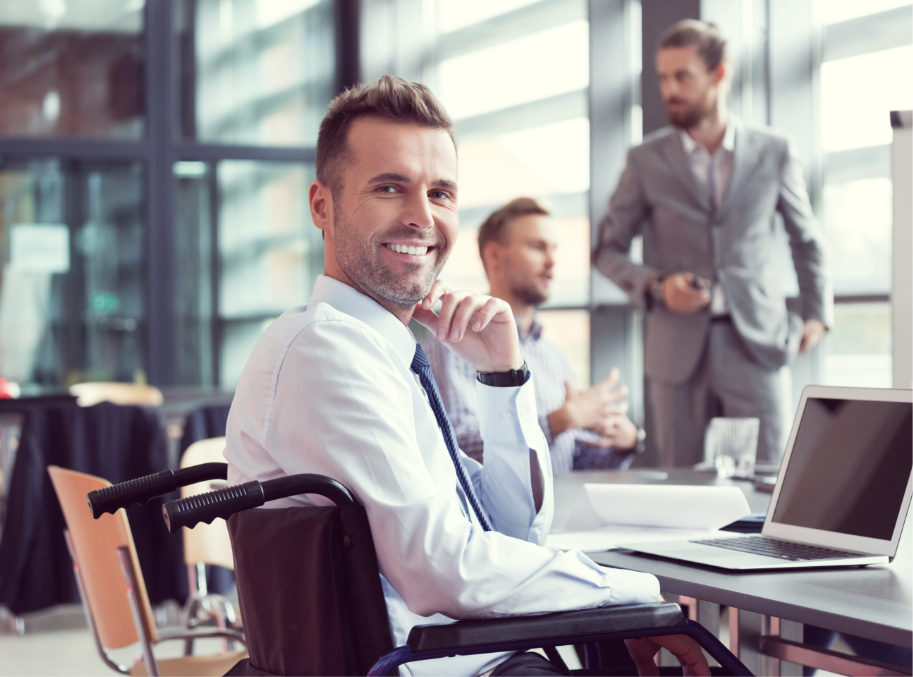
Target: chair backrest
{"points": [[96, 543], [207, 543], [90, 394], [309, 590]]}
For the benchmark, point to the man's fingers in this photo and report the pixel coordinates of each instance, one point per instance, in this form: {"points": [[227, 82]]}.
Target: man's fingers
{"points": [[486, 313], [462, 314], [449, 304], [642, 651], [438, 289], [609, 381]]}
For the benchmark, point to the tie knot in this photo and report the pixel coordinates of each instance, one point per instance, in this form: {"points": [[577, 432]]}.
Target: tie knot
{"points": [[420, 360]]}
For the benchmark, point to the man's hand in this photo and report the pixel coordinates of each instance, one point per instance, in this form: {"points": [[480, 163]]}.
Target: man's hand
{"points": [[684, 293], [591, 408], [812, 332], [620, 433], [685, 649], [479, 328]]}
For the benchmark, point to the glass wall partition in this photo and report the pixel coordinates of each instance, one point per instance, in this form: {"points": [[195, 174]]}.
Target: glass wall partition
{"points": [[514, 77], [154, 165], [866, 72]]}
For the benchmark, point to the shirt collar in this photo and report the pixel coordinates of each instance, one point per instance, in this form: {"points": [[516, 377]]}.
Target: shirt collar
{"points": [[535, 329], [728, 137], [352, 302]]}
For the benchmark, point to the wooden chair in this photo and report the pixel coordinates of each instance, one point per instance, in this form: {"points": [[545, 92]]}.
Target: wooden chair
{"points": [[206, 544], [113, 592], [90, 394]]}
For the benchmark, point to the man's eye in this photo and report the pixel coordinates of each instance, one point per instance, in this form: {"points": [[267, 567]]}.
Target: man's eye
{"points": [[386, 189], [439, 195]]}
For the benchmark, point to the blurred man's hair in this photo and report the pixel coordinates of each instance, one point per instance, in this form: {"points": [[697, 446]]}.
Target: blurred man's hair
{"points": [[387, 98], [709, 40], [495, 226]]}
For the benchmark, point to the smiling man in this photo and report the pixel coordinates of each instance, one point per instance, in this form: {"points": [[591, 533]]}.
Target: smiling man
{"points": [[585, 428], [340, 388], [704, 193]]}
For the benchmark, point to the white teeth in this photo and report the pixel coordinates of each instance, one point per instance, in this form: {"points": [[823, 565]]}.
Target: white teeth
{"points": [[406, 249]]}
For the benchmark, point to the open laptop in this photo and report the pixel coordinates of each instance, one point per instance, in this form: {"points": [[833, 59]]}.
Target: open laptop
{"points": [[842, 493]]}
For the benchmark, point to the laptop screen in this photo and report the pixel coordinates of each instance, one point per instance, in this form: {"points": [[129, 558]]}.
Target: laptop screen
{"points": [[849, 467]]}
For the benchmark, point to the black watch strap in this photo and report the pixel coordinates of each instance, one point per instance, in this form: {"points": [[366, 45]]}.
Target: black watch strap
{"points": [[505, 379]]}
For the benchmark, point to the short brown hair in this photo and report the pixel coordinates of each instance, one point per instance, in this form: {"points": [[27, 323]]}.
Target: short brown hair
{"points": [[496, 224], [709, 40], [387, 98]]}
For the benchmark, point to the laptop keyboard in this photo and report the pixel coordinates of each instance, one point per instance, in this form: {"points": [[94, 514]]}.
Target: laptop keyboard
{"points": [[773, 547]]}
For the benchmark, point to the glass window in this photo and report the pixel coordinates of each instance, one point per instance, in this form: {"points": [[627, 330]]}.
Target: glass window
{"points": [[542, 161], [537, 66], [858, 218], [834, 11], [857, 350], [570, 329], [72, 68], [71, 289], [456, 14], [269, 252], [255, 71], [858, 93], [194, 253]]}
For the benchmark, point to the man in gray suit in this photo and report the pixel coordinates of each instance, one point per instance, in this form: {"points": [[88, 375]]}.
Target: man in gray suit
{"points": [[703, 192]]}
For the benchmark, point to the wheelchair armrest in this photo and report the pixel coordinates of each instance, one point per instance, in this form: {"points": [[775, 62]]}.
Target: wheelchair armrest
{"points": [[567, 624]]}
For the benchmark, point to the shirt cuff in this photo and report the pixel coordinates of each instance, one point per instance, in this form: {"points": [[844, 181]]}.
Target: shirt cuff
{"points": [[508, 415], [632, 587]]}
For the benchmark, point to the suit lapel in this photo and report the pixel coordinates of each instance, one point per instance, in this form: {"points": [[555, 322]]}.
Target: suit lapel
{"points": [[741, 158], [675, 154]]}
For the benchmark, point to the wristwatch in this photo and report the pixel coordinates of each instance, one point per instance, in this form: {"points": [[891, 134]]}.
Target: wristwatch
{"points": [[655, 292], [505, 379]]}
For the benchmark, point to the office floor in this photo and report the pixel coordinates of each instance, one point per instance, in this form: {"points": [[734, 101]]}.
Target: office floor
{"points": [[57, 642]]}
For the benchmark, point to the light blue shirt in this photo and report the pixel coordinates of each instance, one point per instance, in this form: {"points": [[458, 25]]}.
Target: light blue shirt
{"points": [[328, 389]]}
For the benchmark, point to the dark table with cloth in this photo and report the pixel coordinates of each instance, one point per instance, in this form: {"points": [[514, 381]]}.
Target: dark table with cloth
{"points": [[114, 442]]}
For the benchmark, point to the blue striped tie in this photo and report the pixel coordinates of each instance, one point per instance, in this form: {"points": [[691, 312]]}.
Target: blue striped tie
{"points": [[422, 368]]}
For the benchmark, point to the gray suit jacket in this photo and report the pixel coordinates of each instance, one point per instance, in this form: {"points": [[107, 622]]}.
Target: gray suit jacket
{"points": [[659, 197]]}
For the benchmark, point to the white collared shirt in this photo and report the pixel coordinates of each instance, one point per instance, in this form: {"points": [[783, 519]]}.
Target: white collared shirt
{"points": [[328, 389], [721, 163]]}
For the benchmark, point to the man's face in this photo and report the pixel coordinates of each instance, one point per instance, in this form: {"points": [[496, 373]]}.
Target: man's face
{"points": [[689, 90], [527, 258], [394, 218]]}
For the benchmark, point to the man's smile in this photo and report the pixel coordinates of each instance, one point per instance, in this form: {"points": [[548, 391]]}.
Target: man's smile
{"points": [[409, 249]]}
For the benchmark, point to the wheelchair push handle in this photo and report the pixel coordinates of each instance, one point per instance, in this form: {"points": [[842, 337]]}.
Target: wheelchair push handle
{"points": [[190, 511], [143, 489]]}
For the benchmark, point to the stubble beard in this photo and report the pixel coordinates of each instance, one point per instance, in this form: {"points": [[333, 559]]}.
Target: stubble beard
{"points": [[363, 265], [529, 293], [691, 116]]}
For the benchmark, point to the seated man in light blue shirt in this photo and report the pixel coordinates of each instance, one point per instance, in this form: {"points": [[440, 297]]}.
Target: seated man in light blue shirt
{"points": [[340, 388], [585, 428]]}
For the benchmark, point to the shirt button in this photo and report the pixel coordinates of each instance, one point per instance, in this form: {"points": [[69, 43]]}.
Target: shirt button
{"points": [[506, 414]]}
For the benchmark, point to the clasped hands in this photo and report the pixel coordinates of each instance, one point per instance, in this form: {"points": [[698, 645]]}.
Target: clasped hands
{"points": [[601, 408], [686, 293]]}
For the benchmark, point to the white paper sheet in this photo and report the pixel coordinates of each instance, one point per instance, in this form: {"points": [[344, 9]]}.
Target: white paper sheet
{"points": [[608, 514], [608, 538]]}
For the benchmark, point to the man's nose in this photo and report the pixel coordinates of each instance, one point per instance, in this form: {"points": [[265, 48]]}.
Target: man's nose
{"points": [[417, 212]]}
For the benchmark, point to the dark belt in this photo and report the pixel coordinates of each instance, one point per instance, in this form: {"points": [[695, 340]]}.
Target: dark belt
{"points": [[721, 318]]}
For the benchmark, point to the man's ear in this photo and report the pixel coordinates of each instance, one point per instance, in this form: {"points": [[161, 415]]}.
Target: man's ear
{"points": [[721, 76], [321, 202], [491, 255]]}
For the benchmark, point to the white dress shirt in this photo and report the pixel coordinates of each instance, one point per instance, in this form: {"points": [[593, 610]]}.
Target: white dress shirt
{"points": [[713, 173], [328, 389]]}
